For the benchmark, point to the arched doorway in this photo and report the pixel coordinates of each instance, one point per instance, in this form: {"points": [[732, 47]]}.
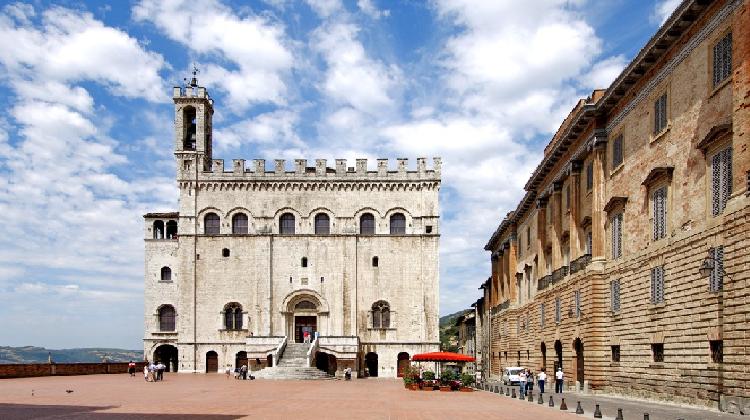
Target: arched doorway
{"points": [[543, 349], [167, 354], [305, 320], [269, 360], [212, 362], [371, 362], [240, 359], [578, 347], [326, 362], [403, 363], [558, 355]]}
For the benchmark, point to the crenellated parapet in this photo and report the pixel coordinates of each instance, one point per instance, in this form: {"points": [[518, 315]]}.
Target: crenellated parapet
{"points": [[240, 170]]}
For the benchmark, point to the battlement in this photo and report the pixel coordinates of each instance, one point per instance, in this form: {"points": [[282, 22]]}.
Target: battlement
{"points": [[179, 92], [385, 170]]}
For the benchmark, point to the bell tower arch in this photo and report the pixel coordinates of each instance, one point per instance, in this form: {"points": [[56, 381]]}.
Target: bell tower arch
{"points": [[193, 126]]}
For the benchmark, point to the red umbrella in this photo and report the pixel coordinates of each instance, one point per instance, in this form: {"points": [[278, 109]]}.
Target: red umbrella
{"points": [[442, 356]]}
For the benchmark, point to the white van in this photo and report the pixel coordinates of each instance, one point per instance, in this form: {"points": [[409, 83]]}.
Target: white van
{"points": [[510, 375]]}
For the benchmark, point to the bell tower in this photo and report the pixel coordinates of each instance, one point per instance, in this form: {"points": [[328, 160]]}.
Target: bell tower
{"points": [[194, 111]]}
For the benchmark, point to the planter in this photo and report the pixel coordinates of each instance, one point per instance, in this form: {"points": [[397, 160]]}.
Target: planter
{"points": [[466, 389], [413, 387], [445, 389]]}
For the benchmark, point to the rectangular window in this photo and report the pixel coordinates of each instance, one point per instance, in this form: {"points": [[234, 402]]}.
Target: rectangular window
{"points": [[723, 59], [658, 350], [528, 237], [541, 315], [567, 197], [717, 351], [716, 279], [657, 285], [660, 114], [616, 354], [589, 176], [577, 296], [659, 199], [528, 320], [721, 180], [589, 243], [558, 312], [617, 152], [616, 228], [615, 295]]}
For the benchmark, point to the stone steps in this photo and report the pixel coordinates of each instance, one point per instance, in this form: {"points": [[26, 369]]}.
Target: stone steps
{"points": [[293, 365]]}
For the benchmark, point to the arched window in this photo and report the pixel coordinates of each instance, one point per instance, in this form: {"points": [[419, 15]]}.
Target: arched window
{"points": [[211, 224], [286, 224], [233, 316], [171, 229], [189, 122], [239, 224], [158, 229], [305, 305], [322, 224], [398, 224], [381, 314], [367, 224], [166, 274], [166, 318]]}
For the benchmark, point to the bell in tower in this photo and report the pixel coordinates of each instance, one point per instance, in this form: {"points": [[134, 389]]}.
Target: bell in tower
{"points": [[193, 123]]}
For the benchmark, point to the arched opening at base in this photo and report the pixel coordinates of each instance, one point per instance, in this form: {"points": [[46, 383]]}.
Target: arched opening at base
{"points": [[269, 360], [543, 349], [558, 355], [402, 363], [371, 363], [212, 362], [578, 347], [166, 354], [240, 359], [326, 362]]}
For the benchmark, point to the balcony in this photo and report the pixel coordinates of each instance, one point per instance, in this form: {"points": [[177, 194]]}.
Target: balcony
{"points": [[553, 278], [580, 263]]}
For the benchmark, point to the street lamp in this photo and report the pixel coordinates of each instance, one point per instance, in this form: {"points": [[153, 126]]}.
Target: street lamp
{"points": [[707, 267]]}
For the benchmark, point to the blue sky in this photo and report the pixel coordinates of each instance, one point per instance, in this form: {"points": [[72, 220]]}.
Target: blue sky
{"points": [[86, 139]]}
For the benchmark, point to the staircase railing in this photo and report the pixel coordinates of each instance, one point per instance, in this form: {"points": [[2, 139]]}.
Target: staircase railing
{"points": [[311, 351], [276, 355]]}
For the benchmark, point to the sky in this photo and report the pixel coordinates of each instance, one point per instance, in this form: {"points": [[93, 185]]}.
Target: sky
{"points": [[86, 139]]}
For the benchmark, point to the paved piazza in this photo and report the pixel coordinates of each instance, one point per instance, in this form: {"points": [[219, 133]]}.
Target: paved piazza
{"points": [[215, 397]]}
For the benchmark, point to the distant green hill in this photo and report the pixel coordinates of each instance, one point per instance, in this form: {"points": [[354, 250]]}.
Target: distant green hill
{"points": [[31, 354], [449, 331]]}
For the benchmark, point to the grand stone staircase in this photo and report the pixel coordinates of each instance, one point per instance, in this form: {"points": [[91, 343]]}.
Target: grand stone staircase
{"points": [[293, 365]]}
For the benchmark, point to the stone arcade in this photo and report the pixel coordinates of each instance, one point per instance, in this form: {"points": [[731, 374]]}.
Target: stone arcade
{"points": [[254, 259]]}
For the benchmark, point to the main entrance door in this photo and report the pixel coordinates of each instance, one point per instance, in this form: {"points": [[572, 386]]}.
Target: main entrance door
{"points": [[579, 361], [304, 324]]}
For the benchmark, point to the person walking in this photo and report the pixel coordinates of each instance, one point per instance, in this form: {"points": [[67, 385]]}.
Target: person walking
{"points": [[306, 336], [529, 381], [522, 384], [243, 372], [559, 381], [145, 372], [160, 368], [540, 380], [131, 368]]}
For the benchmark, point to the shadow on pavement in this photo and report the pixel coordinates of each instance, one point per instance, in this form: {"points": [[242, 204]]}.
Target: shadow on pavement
{"points": [[27, 411]]}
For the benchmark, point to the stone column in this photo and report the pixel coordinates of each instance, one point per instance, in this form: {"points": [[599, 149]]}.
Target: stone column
{"points": [[741, 100], [541, 236], [598, 197], [575, 200], [556, 201]]}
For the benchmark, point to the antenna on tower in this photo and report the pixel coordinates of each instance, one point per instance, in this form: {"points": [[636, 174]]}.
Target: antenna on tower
{"points": [[194, 80]]}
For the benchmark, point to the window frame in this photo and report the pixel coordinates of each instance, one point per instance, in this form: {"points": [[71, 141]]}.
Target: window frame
{"points": [[237, 220], [660, 114], [322, 229], [381, 315], [716, 278], [615, 300], [233, 312], [657, 352], [284, 225], [615, 353], [394, 228], [212, 226], [362, 226], [167, 322], [616, 234], [558, 310], [618, 156], [721, 185], [659, 200], [725, 43], [657, 285], [168, 271]]}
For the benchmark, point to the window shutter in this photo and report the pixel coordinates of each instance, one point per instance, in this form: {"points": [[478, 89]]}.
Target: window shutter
{"points": [[615, 295], [590, 176], [726, 176], [657, 284], [541, 315], [660, 213], [721, 180], [557, 310], [578, 303], [617, 152], [716, 279], [722, 59], [617, 236], [589, 243]]}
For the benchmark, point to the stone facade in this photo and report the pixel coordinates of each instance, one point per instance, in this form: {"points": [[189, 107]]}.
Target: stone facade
{"points": [[260, 256], [597, 269]]}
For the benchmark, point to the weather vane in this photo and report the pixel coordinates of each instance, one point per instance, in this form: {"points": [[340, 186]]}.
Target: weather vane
{"points": [[194, 80]]}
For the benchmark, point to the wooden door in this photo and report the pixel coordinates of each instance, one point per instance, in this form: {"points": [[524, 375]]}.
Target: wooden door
{"points": [[403, 363], [212, 362]]}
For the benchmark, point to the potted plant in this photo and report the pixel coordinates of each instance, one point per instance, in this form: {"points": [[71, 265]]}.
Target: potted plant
{"points": [[448, 379], [467, 380], [411, 378], [428, 377]]}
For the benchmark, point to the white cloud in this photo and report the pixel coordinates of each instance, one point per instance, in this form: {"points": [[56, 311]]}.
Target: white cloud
{"points": [[277, 129], [367, 7], [325, 8], [352, 78], [663, 10], [604, 72], [253, 44]]}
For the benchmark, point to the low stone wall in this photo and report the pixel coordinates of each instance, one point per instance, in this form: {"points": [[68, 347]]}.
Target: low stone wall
{"points": [[25, 370]]}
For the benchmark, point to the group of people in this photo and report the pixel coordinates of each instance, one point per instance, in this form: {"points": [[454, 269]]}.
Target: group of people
{"points": [[241, 372], [154, 372], [526, 381]]}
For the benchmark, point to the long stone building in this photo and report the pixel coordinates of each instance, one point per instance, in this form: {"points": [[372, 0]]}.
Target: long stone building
{"points": [[626, 263], [256, 259]]}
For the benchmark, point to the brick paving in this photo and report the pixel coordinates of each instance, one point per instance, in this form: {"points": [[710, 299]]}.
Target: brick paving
{"points": [[215, 397]]}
